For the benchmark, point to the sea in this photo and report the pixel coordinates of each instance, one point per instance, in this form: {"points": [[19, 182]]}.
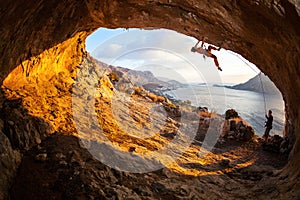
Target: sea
{"points": [[250, 105]]}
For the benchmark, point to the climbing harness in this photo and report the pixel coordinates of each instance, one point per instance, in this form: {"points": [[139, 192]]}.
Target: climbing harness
{"points": [[193, 49]]}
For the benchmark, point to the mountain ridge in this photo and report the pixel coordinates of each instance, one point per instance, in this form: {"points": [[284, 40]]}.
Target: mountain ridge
{"points": [[145, 79], [259, 83]]}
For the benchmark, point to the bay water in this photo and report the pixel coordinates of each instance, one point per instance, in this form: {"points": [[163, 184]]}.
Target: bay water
{"points": [[250, 105]]}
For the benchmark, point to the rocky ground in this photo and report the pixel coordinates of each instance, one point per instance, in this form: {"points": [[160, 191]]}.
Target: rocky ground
{"points": [[61, 169], [59, 166]]}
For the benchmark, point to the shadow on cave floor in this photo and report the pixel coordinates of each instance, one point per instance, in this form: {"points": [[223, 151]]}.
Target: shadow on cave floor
{"points": [[60, 168], [262, 157]]}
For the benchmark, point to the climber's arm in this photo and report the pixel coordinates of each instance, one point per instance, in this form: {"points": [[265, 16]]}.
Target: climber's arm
{"points": [[196, 45]]}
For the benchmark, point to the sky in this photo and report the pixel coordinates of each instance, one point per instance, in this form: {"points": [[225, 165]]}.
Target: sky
{"points": [[167, 54]]}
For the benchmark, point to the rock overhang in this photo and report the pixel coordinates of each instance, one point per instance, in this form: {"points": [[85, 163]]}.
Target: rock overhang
{"points": [[264, 32]]}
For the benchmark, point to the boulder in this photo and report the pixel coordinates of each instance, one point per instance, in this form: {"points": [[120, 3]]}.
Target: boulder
{"points": [[232, 125], [231, 114], [41, 157], [277, 144], [236, 128], [22, 135], [10, 160]]}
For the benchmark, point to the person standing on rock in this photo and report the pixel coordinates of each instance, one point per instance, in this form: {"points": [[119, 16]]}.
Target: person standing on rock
{"points": [[268, 124], [207, 52]]}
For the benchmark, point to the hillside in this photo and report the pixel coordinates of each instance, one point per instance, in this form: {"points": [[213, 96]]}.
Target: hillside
{"points": [[259, 83], [137, 77], [146, 79]]}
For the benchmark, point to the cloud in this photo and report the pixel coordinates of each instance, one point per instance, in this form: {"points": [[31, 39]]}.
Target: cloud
{"points": [[169, 40], [143, 48], [108, 50], [142, 39]]}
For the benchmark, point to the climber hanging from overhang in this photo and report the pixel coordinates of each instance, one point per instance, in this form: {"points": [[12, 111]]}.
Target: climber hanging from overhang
{"points": [[207, 52]]}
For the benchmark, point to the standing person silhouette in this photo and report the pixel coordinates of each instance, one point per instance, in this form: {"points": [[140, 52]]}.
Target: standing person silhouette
{"points": [[268, 125], [207, 52]]}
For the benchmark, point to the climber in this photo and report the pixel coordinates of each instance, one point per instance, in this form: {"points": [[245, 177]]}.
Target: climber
{"points": [[207, 52], [268, 125]]}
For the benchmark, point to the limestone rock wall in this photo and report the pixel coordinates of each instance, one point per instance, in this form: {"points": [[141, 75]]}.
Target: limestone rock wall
{"points": [[45, 39], [9, 162]]}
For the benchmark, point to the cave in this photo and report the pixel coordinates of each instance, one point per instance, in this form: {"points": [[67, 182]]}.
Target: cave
{"points": [[43, 44]]}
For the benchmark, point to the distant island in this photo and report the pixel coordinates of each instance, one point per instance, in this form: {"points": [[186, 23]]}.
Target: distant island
{"points": [[259, 83]]}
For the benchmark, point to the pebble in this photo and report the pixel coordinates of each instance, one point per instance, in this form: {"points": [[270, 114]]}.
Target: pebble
{"points": [[11, 123], [63, 163], [38, 140], [41, 157], [231, 137], [60, 156]]}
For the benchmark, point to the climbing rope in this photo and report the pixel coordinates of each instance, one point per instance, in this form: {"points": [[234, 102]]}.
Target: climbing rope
{"points": [[262, 89], [259, 75]]}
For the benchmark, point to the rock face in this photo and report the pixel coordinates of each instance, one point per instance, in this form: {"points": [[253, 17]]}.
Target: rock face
{"points": [[19, 131], [22, 135], [137, 77], [9, 162], [42, 44], [143, 78]]}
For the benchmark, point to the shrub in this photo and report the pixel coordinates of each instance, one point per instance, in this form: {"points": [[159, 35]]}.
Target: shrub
{"points": [[114, 77], [138, 90]]}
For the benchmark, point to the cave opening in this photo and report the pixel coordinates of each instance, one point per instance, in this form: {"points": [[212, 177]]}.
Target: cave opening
{"points": [[41, 50], [131, 49]]}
